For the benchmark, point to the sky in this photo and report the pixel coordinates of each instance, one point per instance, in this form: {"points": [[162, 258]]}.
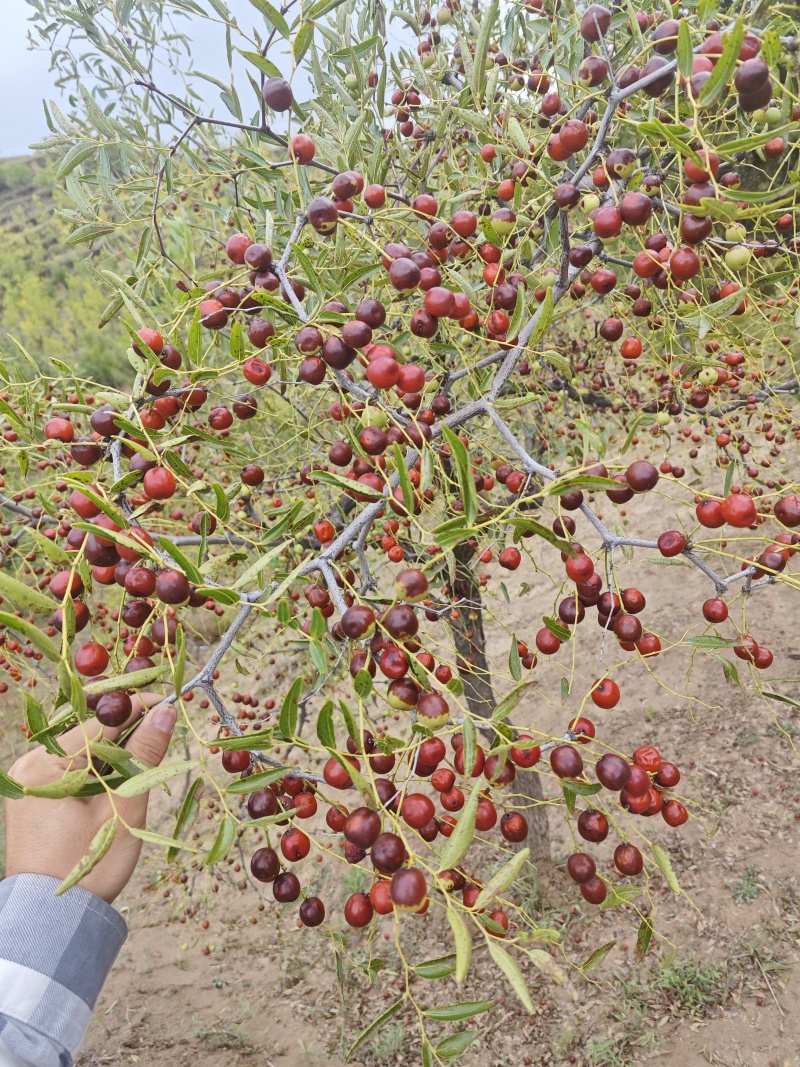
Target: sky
{"points": [[25, 79]]}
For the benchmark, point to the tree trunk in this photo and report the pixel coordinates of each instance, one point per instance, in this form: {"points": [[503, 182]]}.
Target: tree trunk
{"points": [[470, 644]]}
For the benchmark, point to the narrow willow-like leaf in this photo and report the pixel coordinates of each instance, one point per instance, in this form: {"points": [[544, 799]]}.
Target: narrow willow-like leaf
{"points": [[461, 838], [511, 969], [463, 940], [437, 968], [39, 640], [186, 815], [455, 1013], [643, 938], [101, 843], [503, 879], [155, 776], [223, 842], [665, 864], [375, 1025], [597, 957], [23, 597], [287, 723]]}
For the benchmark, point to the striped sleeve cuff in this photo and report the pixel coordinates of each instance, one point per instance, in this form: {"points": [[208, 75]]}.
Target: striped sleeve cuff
{"points": [[55, 954]]}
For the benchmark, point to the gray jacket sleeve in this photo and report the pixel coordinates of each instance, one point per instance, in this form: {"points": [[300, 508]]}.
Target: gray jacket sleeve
{"points": [[55, 954]]}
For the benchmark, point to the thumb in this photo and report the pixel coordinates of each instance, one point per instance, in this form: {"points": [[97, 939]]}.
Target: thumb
{"points": [[150, 740], [149, 743]]}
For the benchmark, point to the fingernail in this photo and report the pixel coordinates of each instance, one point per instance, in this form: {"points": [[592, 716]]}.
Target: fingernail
{"points": [[164, 717]]}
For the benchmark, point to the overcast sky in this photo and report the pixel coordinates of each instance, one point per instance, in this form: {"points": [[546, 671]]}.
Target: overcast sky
{"points": [[25, 79]]}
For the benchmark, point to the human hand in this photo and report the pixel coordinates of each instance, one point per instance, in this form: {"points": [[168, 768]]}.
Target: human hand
{"points": [[51, 836]]}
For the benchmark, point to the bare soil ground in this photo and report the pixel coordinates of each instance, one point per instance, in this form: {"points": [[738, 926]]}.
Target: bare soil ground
{"points": [[719, 984]]}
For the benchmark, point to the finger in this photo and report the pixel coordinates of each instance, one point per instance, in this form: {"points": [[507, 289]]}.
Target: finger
{"points": [[75, 740], [145, 701], [149, 743], [150, 740]]}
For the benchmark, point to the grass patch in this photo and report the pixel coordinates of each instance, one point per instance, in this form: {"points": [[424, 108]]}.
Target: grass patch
{"points": [[749, 885], [695, 986]]}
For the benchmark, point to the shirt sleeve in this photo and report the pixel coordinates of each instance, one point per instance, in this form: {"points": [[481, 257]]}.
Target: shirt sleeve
{"points": [[55, 955]]}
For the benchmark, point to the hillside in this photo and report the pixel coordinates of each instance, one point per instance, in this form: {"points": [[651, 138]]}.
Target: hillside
{"points": [[48, 301]]}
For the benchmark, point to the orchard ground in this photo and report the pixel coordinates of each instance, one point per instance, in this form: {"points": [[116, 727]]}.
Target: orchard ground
{"points": [[719, 983]]}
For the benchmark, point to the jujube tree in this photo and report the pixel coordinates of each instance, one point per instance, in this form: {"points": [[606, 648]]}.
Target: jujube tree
{"points": [[394, 339]]}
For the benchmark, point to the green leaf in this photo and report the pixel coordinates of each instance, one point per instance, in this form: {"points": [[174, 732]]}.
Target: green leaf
{"points": [[514, 665], [465, 1009], [348, 486], [287, 723], [509, 702], [780, 697], [302, 40], [222, 507], [619, 895], [101, 843], [685, 50], [520, 142], [155, 776], [23, 597], [664, 863], [584, 789], [524, 526], [546, 964], [464, 470], [349, 721], [503, 878], [39, 727], [153, 838], [76, 155], [456, 1044], [643, 939], [134, 680], [179, 667], [470, 742], [223, 842], [437, 968], [357, 778], [183, 561], [194, 348], [108, 509], [709, 641], [488, 19], [266, 66], [117, 757], [511, 969], [67, 786], [240, 742], [461, 838], [376, 1024], [558, 629], [568, 483], [53, 551], [9, 788], [187, 814], [244, 786], [463, 940], [325, 730], [39, 640], [405, 481], [273, 17], [724, 67], [362, 683], [730, 672], [597, 957]]}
